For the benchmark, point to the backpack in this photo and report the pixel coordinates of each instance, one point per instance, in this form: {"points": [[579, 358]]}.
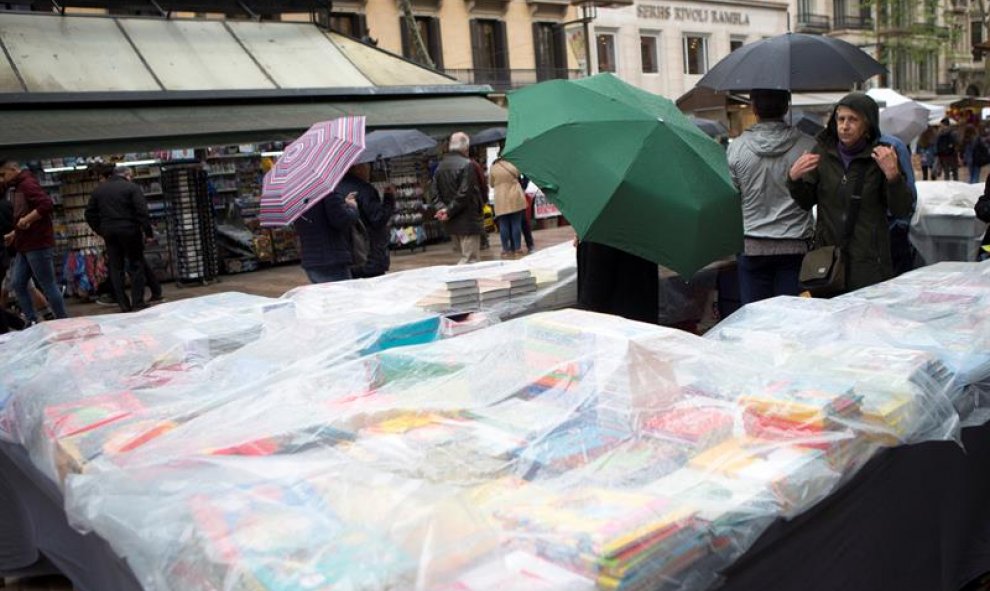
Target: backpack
{"points": [[360, 244], [981, 154], [945, 144]]}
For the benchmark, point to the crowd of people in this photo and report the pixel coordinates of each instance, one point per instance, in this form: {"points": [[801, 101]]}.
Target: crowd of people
{"points": [[942, 149]]}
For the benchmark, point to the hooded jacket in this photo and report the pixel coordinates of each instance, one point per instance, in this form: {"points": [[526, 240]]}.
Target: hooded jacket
{"points": [[759, 161], [830, 187]]}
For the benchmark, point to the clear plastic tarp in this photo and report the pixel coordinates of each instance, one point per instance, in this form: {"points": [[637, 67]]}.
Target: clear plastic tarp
{"points": [[334, 438], [945, 226]]}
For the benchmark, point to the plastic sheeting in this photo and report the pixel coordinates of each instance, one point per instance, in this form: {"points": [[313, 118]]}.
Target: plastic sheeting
{"points": [[945, 227], [559, 450]]}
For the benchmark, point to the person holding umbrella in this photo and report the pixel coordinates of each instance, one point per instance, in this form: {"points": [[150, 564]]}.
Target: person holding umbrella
{"points": [[849, 159], [325, 235], [375, 212], [776, 231]]}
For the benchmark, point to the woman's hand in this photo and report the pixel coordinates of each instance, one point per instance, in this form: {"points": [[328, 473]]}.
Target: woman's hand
{"points": [[803, 165], [886, 159]]}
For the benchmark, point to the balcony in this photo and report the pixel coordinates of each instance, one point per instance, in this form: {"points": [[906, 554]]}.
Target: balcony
{"points": [[505, 80], [812, 23], [853, 22], [930, 30]]}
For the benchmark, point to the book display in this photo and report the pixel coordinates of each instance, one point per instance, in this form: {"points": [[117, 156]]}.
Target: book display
{"points": [[157, 252], [601, 453], [189, 214], [79, 252], [412, 225]]}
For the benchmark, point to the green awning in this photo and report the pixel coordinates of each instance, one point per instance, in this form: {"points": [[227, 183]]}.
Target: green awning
{"points": [[55, 132]]}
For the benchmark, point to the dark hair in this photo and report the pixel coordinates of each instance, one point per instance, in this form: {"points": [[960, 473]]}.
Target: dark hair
{"points": [[7, 162], [770, 103], [946, 121]]}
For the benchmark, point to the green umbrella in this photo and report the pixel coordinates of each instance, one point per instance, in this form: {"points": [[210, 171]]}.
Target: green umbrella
{"points": [[627, 169]]}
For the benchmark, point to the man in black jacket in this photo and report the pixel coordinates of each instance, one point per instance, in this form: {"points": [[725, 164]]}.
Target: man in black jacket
{"points": [[456, 193], [118, 212]]}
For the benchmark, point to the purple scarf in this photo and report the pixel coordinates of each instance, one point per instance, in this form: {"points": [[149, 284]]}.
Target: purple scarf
{"points": [[847, 154]]}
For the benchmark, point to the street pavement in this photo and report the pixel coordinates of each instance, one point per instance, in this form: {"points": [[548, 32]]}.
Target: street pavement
{"points": [[276, 280]]}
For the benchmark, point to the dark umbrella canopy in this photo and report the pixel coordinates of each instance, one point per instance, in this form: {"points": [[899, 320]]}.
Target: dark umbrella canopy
{"points": [[488, 136], [389, 143], [793, 61], [712, 128]]}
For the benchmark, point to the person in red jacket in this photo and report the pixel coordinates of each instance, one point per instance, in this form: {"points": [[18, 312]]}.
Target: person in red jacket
{"points": [[33, 238]]}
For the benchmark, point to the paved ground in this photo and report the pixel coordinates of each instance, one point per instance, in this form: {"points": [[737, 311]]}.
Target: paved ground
{"points": [[274, 281]]}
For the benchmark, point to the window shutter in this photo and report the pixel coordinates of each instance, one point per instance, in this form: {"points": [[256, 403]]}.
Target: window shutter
{"points": [[361, 23], [560, 51], [407, 51], [436, 44], [502, 57], [541, 60], [476, 46]]}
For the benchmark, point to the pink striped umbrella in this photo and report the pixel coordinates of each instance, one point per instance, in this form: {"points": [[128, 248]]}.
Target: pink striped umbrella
{"points": [[310, 168]]}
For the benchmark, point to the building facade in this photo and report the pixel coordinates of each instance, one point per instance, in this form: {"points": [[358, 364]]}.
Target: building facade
{"points": [[666, 46], [505, 43]]}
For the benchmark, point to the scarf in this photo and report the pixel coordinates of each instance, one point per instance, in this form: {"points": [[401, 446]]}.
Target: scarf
{"points": [[847, 154]]}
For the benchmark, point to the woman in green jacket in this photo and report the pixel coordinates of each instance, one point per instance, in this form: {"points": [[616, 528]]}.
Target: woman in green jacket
{"points": [[827, 176]]}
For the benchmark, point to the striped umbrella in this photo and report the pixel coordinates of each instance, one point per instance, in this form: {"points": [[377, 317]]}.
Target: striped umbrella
{"points": [[310, 168]]}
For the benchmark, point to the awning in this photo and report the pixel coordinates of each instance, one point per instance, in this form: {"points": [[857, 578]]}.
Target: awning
{"points": [[50, 133]]}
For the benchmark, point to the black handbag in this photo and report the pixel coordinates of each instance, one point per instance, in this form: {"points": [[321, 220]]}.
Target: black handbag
{"points": [[823, 270]]}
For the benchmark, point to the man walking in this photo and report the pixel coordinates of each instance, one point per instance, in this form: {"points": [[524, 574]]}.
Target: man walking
{"points": [[118, 212], [947, 149], [456, 192], [33, 238]]}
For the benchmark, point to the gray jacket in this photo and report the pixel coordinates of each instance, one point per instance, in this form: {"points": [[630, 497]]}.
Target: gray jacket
{"points": [[759, 161]]}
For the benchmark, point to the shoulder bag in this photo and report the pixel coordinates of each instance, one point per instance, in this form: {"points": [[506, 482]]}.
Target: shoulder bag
{"points": [[823, 270]]}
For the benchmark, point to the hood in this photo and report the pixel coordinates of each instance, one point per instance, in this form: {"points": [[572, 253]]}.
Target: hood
{"points": [[862, 104], [772, 138]]}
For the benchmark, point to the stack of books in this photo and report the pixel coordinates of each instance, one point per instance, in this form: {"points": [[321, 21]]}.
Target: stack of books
{"points": [[457, 294]]}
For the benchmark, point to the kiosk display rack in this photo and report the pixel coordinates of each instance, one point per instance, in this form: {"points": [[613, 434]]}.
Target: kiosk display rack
{"points": [[191, 229]]}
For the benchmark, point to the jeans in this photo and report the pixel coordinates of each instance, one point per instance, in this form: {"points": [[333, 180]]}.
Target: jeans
{"points": [[974, 174], [510, 230], [328, 274], [126, 247], [38, 263], [762, 277]]}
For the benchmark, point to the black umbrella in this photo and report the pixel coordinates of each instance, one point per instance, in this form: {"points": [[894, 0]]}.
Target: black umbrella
{"points": [[712, 128], [389, 143], [488, 136], [793, 61]]}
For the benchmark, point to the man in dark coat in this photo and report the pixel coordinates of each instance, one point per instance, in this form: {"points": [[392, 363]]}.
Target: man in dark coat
{"points": [[826, 177], [375, 212], [118, 212], [324, 232], [33, 237], [456, 193]]}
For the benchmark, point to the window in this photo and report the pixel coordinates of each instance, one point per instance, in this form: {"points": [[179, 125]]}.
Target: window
{"points": [[975, 38], [491, 55], [695, 54], [429, 31], [605, 42], [648, 51], [550, 46], [347, 23], [735, 43]]}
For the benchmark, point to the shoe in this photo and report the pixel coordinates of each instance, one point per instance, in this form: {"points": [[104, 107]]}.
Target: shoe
{"points": [[106, 300], [156, 300], [138, 307]]}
